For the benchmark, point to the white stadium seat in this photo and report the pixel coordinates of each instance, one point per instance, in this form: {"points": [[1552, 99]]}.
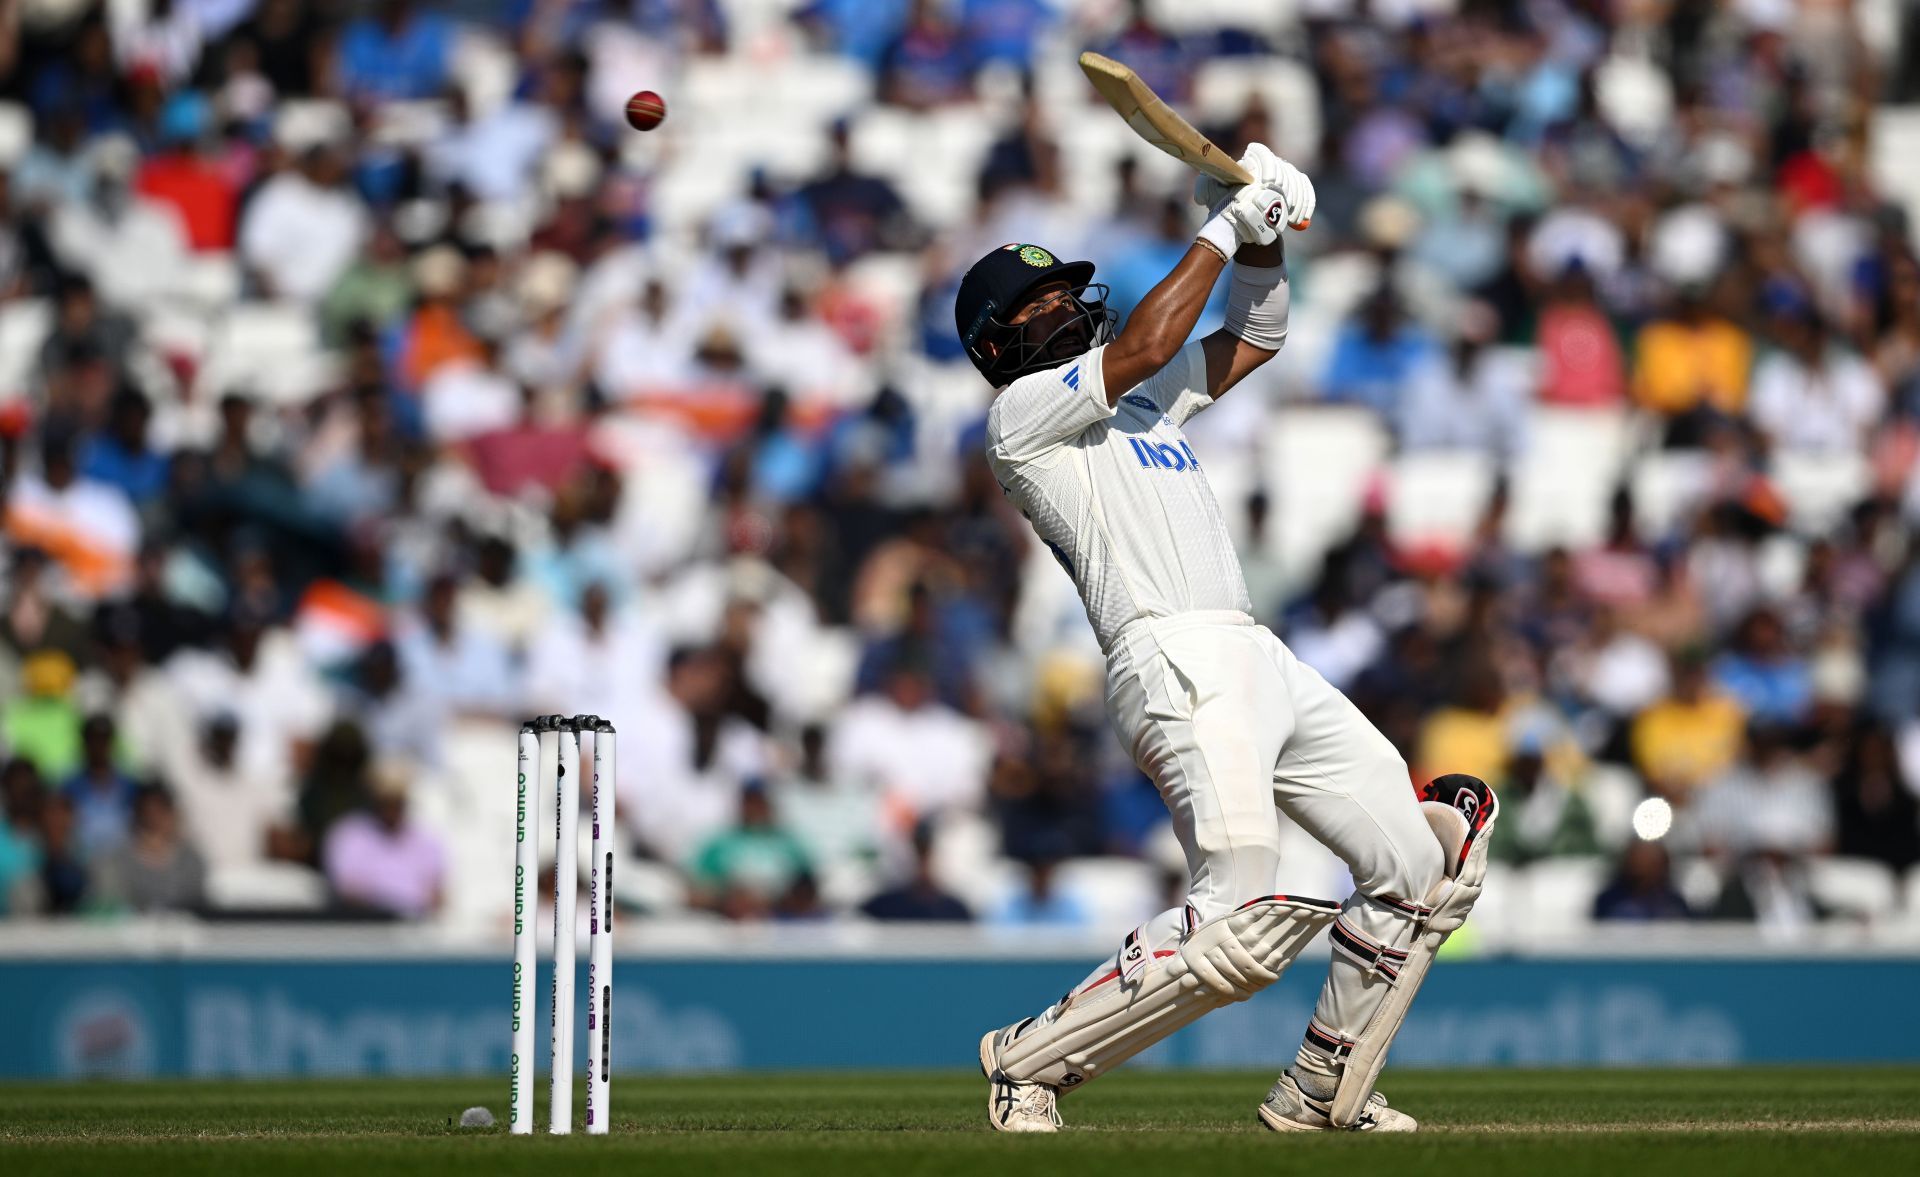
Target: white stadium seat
{"points": [[1122, 893], [1560, 892], [1819, 488], [1854, 886], [1319, 462], [1437, 497], [267, 350], [1561, 486], [266, 886], [1668, 486], [24, 324], [1222, 86]]}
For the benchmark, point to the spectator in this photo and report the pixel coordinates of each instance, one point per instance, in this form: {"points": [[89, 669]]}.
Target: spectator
{"points": [[35, 618], [837, 823], [291, 43], [186, 176], [743, 872], [462, 669], [1812, 395], [511, 609], [375, 290], [1691, 366], [1470, 398], [1006, 31], [494, 156], [1469, 736], [302, 229], [234, 816], [65, 884], [1618, 670], [119, 456], [101, 795], [1583, 366], [853, 212], [1771, 800], [88, 526], [261, 677], [1375, 356], [929, 63], [682, 783], [1875, 808], [378, 859], [919, 755], [22, 796], [600, 661], [156, 870], [1039, 904], [1542, 815], [1642, 889], [919, 897], [398, 53], [643, 349], [1763, 673], [1685, 741], [1163, 60], [43, 725], [133, 248]]}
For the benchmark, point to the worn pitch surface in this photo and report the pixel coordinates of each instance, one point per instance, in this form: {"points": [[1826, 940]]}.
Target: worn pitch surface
{"points": [[1476, 1124]]}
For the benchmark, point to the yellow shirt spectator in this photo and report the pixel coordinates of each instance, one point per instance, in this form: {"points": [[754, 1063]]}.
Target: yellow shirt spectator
{"points": [[1685, 364], [1682, 744]]}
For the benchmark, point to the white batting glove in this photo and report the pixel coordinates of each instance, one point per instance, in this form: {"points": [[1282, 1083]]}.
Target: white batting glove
{"points": [[1267, 170], [1249, 215]]}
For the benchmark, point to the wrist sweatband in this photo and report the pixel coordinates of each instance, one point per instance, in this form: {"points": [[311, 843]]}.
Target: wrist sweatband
{"points": [[1257, 301], [1217, 233]]}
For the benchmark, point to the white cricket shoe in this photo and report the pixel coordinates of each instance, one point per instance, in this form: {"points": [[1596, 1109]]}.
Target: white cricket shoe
{"points": [[1289, 1109], [1011, 1106]]}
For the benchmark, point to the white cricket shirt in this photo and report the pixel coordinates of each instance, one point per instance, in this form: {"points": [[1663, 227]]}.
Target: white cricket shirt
{"points": [[1116, 492]]}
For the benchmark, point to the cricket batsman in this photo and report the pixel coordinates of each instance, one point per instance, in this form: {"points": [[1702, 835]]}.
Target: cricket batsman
{"points": [[1084, 435]]}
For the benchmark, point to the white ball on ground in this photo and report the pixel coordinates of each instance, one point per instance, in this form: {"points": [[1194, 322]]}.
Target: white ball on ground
{"points": [[476, 1118]]}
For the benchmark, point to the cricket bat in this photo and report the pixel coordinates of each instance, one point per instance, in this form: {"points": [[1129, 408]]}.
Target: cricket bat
{"points": [[1159, 124]]}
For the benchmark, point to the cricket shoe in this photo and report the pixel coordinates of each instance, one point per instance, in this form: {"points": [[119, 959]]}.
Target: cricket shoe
{"points": [[1289, 1109], [1013, 1106]]}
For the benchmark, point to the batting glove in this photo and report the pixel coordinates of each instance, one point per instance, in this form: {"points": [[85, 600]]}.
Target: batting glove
{"points": [[1267, 170]]}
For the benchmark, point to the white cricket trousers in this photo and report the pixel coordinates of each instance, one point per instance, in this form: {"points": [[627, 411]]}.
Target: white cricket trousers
{"points": [[1233, 729], [1230, 725]]}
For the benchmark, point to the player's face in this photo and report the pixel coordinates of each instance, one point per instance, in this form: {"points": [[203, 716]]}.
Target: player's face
{"points": [[1052, 318]]}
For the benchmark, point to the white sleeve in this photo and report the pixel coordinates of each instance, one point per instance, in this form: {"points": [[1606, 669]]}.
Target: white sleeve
{"points": [[1180, 388], [1043, 410]]}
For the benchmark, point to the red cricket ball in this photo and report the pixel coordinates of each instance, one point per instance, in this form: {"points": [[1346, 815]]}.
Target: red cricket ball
{"points": [[645, 110]]}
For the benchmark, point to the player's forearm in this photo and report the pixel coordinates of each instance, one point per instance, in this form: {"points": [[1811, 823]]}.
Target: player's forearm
{"points": [[1160, 324], [1273, 253]]}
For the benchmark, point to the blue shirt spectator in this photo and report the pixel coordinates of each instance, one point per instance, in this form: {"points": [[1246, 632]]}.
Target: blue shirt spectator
{"points": [[1006, 30], [860, 29], [119, 456], [101, 795], [1040, 906], [1375, 355], [397, 54], [928, 64], [1771, 682]]}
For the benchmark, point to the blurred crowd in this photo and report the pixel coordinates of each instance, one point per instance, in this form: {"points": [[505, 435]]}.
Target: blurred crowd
{"points": [[367, 386]]}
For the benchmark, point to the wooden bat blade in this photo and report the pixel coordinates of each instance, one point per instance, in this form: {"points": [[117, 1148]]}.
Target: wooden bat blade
{"points": [[1156, 122]]}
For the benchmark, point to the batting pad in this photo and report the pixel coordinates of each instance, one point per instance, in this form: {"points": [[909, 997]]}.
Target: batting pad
{"points": [[1465, 846], [1149, 994]]}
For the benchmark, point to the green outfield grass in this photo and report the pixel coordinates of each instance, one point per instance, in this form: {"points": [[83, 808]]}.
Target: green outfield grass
{"points": [[1618, 1123]]}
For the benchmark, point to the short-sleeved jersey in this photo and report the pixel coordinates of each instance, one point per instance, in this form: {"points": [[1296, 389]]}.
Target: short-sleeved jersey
{"points": [[1115, 491]]}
